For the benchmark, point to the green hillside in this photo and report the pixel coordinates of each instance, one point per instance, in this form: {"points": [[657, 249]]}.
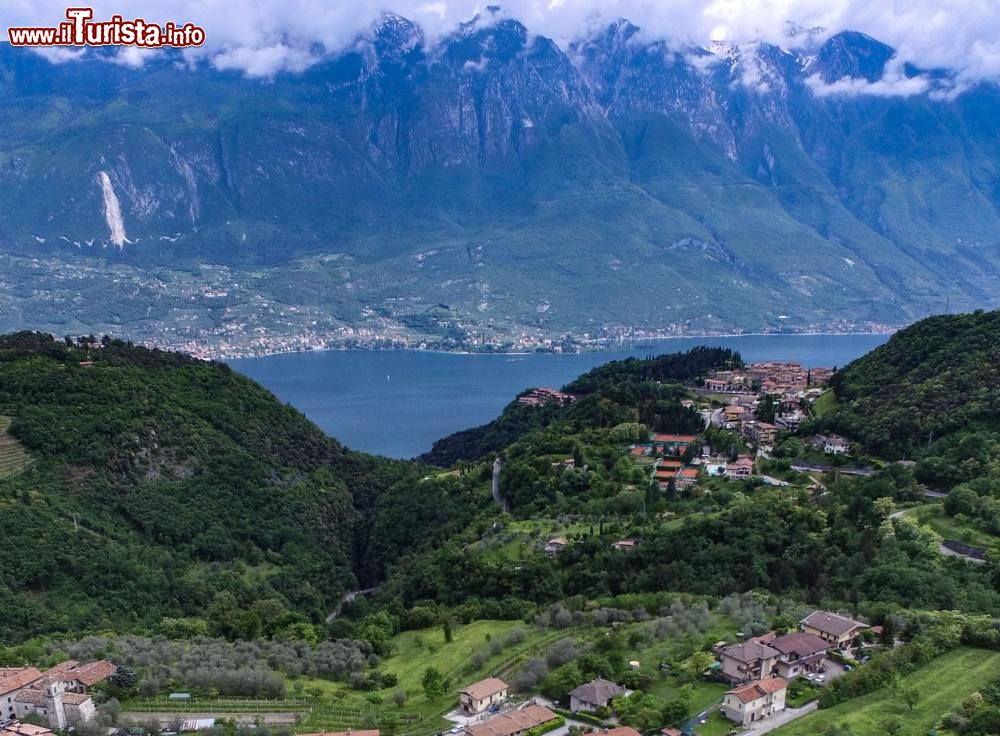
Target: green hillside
{"points": [[165, 486], [13, 458], [939, 377]]}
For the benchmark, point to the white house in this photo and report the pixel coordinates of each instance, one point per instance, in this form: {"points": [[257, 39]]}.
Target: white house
{"points": [[755, 701], [480, 696]]}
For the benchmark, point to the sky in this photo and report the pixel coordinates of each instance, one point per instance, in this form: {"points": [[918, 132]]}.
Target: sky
{"points": [[264, 37]]}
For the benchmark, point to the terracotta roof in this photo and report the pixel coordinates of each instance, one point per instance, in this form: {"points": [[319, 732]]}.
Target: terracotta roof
{"points": [[799, 644], [831, 623], [75, 698], [513, 722], [689, 473], [679, 438], [620, 731], [15, 679], [30, 696], [759, 689], [750, 651], [484, 688], [24, 729], [672, 732], [89, 673], [597, 692]]}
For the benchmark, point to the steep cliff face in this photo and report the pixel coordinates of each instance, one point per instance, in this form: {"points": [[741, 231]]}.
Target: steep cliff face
{"points": [[503, 175]]}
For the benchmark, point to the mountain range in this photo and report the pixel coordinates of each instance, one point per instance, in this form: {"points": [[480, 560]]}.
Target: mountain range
{"points": [[494, 187]]}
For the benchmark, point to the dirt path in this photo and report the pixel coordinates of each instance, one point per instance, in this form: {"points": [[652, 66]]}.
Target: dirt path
{"points": [[271, 719]]}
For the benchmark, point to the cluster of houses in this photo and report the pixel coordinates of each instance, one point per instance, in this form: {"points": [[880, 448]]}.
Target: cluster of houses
{"points": [[481, 703], [673, 458], [790, 386], [60, 695], [761, 668], [540, 396], [484, 704], [771, 377]]}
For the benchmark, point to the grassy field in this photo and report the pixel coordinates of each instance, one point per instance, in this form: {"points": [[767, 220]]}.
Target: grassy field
{"points": [[333, 706], [13, 457], [703, 694], [528, 537], [716, 725], [825, 404], [339, 707], [942, 684]]}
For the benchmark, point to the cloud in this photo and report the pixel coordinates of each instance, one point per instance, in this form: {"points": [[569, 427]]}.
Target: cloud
{"points": [[131, 56], [264, 37], [885, 87], [59, 55], [264, 62], [894, 83]]}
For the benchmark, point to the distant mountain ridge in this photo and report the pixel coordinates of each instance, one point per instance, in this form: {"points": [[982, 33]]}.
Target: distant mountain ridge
{"points": [[493, 184]]}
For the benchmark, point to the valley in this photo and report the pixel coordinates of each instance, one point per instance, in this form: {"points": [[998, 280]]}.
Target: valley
{"points": [[656, 533]]}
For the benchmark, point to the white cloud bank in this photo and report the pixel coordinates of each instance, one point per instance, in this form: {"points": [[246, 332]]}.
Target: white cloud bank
{"points": [[263, 37]]}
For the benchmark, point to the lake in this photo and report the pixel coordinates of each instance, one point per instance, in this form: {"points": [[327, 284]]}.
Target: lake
{"points": [[396, 403]]}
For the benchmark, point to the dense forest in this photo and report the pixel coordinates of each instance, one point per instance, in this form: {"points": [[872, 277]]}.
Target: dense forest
{"points": [[936, 378], [163, 486]]}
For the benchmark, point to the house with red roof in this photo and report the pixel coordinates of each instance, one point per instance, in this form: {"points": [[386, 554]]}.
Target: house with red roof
{"points": [[755, 701]]}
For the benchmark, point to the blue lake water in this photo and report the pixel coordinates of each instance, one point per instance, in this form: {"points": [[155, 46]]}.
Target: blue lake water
{"points": [[396, 403]]}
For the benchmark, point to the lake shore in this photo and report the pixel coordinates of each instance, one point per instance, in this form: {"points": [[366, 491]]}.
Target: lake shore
{"points": [[602, 346], [398, 402]]}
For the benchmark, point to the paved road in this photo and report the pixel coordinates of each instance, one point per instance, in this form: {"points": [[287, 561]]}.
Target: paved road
{"points": [[941, 547], [955, 553], [786, 716]]}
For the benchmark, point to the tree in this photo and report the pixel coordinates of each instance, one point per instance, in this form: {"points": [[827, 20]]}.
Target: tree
{"points": [[911, 697], [961, 500], [448, 635], [125, 678], [766, 409], [652, 495], [693, 666], [892, 726], [433, 683], [399, 698]]}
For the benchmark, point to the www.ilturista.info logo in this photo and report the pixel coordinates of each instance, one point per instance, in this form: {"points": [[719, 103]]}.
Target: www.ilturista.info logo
{"points": [[80, 30]]}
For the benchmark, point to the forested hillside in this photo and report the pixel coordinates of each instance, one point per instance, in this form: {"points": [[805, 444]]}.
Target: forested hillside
{"points": [[932, 394], [619, 391], [165, 486], [933, 379]]}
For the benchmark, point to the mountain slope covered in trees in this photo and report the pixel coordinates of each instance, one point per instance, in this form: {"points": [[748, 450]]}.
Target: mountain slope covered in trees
{"points": [[936, 378], [161, 486]]}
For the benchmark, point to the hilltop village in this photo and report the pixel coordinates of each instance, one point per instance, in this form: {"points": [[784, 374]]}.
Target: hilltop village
{"points": [[753, 407]]}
